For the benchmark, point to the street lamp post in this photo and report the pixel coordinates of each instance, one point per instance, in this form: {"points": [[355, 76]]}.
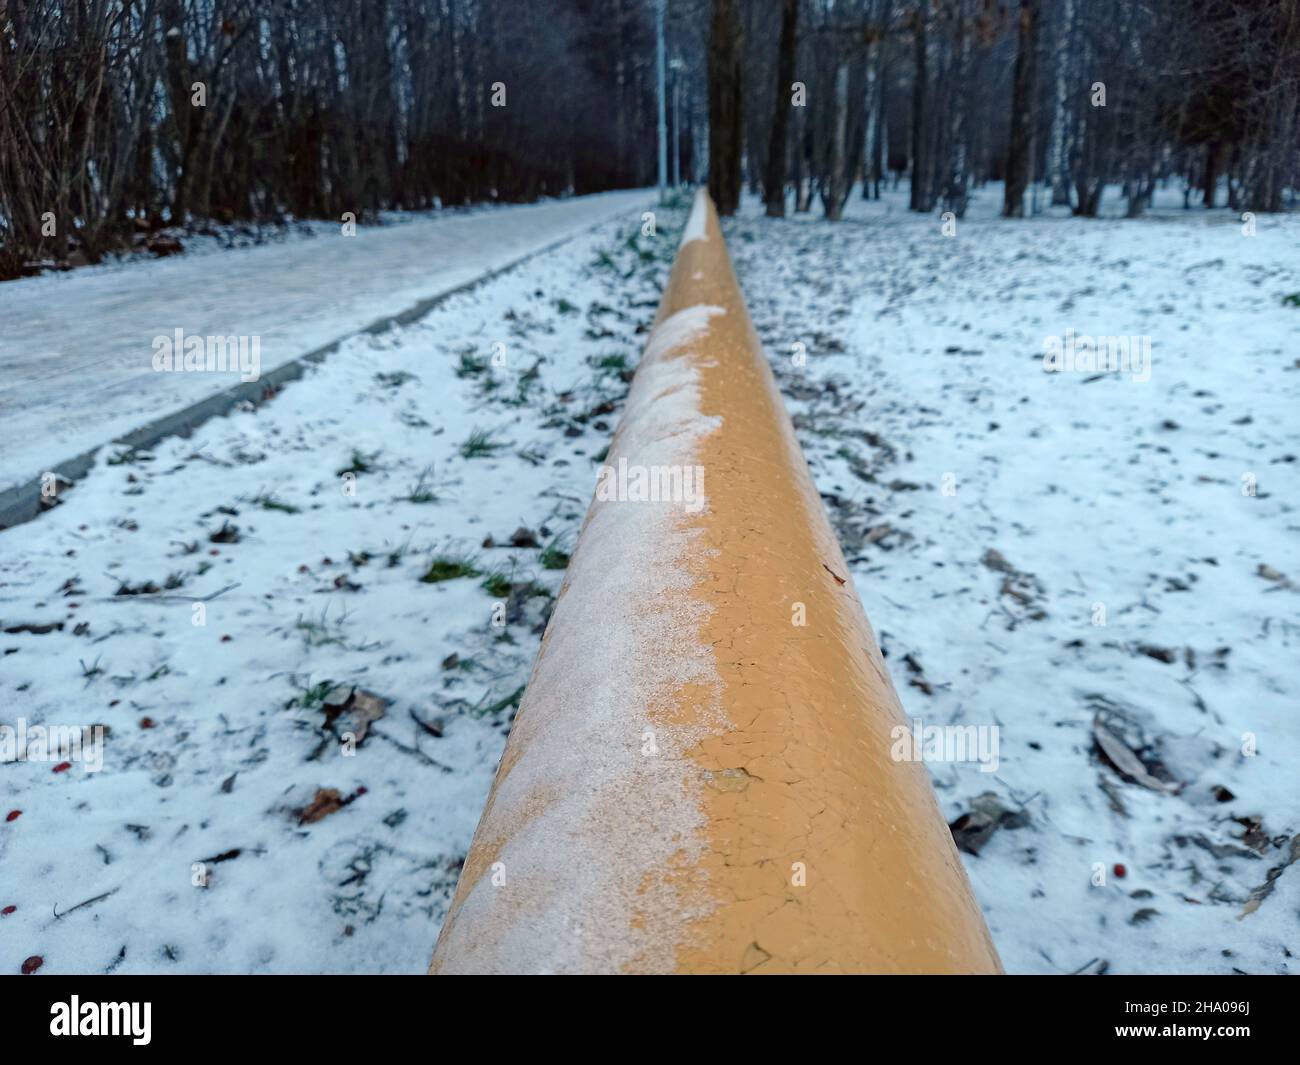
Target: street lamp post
{"points": [[677, 67], [661, 10]]}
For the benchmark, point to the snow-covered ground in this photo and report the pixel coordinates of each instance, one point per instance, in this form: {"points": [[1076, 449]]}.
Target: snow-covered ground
{"points": [[76, 353], [305, 530], [994, 514], [1041, 551]]}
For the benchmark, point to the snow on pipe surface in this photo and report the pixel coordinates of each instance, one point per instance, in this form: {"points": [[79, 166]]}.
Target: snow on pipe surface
{"points": [[696, 781]]}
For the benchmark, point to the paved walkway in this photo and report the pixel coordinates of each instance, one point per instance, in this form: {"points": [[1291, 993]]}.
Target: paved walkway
{"points": [[76, 349]]}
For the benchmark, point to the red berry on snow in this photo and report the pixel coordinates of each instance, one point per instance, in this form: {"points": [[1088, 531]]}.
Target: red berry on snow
{"points": [[62, 767], [7, 911], [14, 815], [225, 639], [32, 964], [146, 722], [1120, 871]]}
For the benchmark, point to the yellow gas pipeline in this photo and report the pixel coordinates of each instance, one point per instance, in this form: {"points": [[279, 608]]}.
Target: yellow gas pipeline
{"points": [[699, 779]]}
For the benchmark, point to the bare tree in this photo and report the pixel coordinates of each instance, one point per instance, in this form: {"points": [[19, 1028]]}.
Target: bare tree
{"points": [[920, 197], [120, 116], [1022, 111], [725, 112], [1058, 172], [776, 161]]}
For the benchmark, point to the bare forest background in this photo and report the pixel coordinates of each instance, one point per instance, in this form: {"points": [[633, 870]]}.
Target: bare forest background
{"points": [[119, 118]]}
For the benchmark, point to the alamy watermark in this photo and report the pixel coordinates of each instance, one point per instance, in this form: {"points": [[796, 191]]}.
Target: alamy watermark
{"points": [[210, 354], [1108, 354], [946, 743], [652, 484], [53, 743], [102, 1018]]}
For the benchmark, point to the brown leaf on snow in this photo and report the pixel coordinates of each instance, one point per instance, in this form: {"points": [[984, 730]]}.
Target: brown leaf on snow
{"points": [[326, 801], [358, 707], [994, 559], [1254, 837], [975, 828]]}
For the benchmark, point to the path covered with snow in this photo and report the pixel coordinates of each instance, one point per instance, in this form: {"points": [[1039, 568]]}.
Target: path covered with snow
{"points": [[76, 351]]}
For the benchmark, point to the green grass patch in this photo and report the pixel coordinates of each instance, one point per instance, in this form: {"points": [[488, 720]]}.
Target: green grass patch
{"points": [[487, 709], [552, 557], [321, 632], [444, 568], [612, 363], [423, 490], [471, 365], [481, 444], [269, 502], [312, 696], [361, 462], [497, 585]]}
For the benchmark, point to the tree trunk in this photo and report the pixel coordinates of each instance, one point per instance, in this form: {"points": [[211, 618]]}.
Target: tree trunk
{"points": [[1022, 112], [1210, 181], [880, 131], [835, 193], [920, 196], [775, 181], [725, 112], [183, 115], [1058, 151]]}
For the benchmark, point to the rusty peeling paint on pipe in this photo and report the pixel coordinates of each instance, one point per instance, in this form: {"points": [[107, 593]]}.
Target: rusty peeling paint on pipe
{"points": [[696, 783]]}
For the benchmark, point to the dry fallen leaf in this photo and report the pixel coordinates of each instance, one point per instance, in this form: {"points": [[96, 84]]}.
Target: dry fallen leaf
{"points": [[1125, 760], [359, 707], [1259, 894], [325, 802]]}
